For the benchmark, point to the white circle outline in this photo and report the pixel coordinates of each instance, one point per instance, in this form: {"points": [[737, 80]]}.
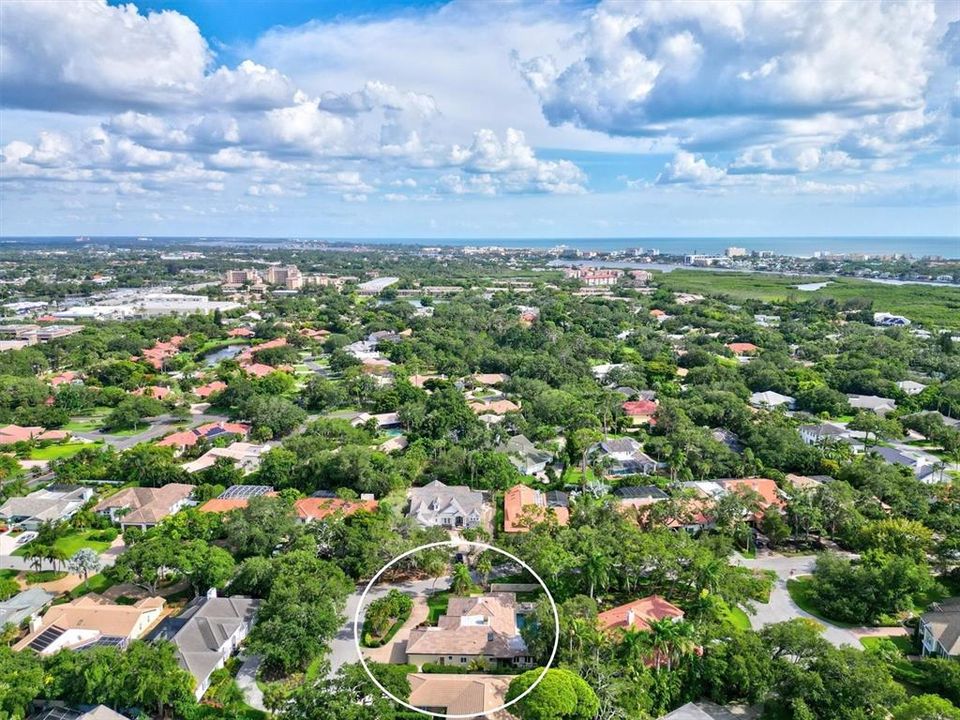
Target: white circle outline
{"points": [[455, 544]]}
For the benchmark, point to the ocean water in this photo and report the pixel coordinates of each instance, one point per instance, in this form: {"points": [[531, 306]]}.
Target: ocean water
{"points": [[948, 247]]}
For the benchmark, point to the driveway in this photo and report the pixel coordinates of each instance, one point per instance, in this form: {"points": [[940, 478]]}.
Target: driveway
{"points": [[342, 649], [247, 682], [395, 651], [782, 607]]}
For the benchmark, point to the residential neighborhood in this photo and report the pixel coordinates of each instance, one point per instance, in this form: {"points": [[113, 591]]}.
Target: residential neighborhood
{"points": [[206, 495]]}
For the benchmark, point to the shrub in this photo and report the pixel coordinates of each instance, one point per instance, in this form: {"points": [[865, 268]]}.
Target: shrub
{"points": [[108, 535]]}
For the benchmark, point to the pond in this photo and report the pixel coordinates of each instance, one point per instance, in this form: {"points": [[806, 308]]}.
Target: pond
{"points": [[224, 353], [813, 287]]}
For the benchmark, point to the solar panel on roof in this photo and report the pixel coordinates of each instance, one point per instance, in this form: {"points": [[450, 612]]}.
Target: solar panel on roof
{"points": [[245, 491], [56, 714], [105, 641], [44, 639]]}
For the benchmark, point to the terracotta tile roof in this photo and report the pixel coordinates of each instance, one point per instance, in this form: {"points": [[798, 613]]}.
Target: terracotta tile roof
{"points": [[742, 348], [765, 487], [183, 438], [64, 377], [639, 614], [205, 391], [259, 369], [522, 501], [484, 625], [225, 505], [319, 508], [55, 435], [10, 434], [639, 408], [155, 391], [496, 407]]}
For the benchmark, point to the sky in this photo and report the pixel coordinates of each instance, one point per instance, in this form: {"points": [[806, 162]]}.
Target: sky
{"points": [[382, 118]]}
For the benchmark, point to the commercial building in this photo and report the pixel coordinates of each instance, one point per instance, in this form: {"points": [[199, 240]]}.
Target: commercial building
{"points": [[240, 277]]}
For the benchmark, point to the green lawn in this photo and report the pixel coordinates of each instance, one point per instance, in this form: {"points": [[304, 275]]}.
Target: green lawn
{"points": [[88, 421], [437, 603], [738, 618], [801, 594], [95, 583], [130, 432], [56, 452], [35, 578], [903, 642], [69, 544], [925, 304]]}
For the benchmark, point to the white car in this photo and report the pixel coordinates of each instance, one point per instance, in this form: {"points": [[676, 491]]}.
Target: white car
{"points": [[25, 538]]}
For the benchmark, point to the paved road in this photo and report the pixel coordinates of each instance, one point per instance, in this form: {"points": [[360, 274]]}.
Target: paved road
{"points": [[781, 606], [247, 682], [160, 426], [342, 649]]}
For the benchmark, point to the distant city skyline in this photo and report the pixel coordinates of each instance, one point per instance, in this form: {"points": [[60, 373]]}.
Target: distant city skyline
{"points": [[431, 121]]}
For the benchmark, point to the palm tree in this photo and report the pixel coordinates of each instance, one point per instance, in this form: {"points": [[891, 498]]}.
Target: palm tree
{"points": [[462, 582], [36, 554], [484, 566], [55, 555], [635, 645], [662, 634], [597, 571]]}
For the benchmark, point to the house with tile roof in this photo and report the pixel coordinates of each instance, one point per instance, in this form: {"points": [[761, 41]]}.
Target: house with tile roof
{"points": [[205, 391], [640, 412], [91, 620], [523, 505], [494, 407], [210, 431], [236, 497], [157, 392], [463, 695], [10, 434], [144, 507], [742, 348], [246, 456], [319, 508], [473, 628], [638, 615]]}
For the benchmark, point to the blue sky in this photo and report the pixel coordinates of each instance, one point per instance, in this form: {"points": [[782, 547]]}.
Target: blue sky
{"points": [[478, 119]]}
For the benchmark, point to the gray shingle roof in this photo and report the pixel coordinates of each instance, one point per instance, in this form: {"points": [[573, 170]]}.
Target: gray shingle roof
{"points": [[24, 604]]}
